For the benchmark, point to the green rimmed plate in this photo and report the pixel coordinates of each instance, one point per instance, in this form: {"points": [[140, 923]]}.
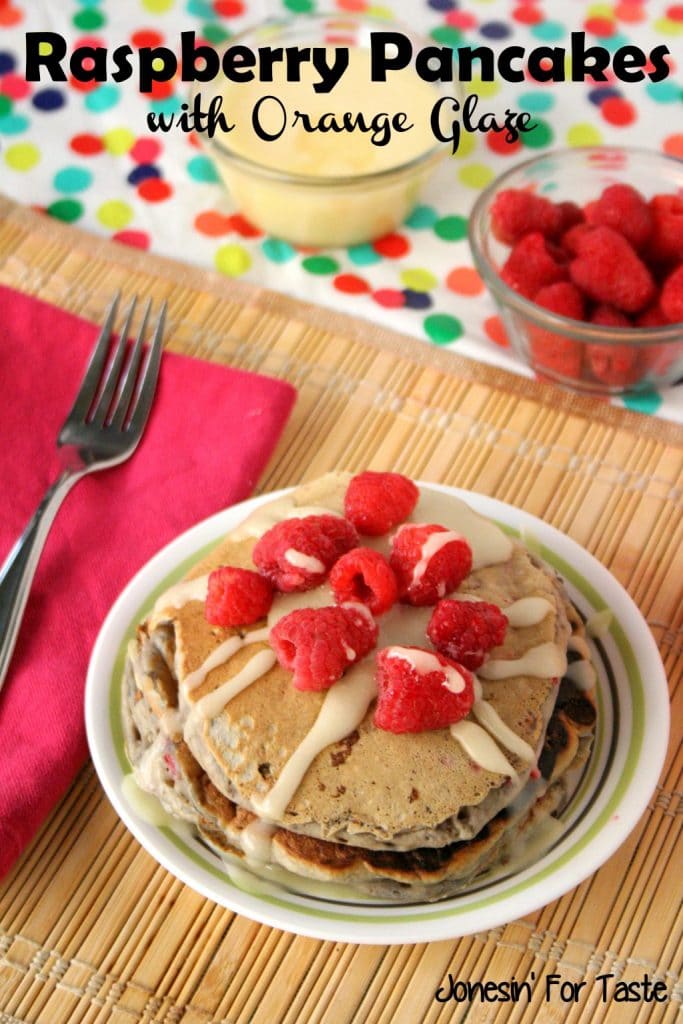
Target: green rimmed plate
{"points": [[628, 754]]}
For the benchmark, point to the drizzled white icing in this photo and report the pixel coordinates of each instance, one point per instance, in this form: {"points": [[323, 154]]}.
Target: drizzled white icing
{"points": [[479, 746], [302, 561], [257, 840], [582, 674], [222, 654], [181, 593], [489, 544], [487, 716], [211, 704], [528, 611], [432, 545], [425, 662], [545, 661]]}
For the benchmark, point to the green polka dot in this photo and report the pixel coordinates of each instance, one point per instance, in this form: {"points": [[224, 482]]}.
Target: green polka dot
{"points": [[442, 328], [213, 32], [102, 98], [67, 210], [72, 179], [422, 217], [300, 6], [418, 280], [537, 102], [157, 6], [446, 35], [114, 214], [88, 19], [476, 175], [363, 255], [232, 260], [22, 156], [451, 229], [584, 135], [277, 251], [663, 92], [5, 105], [542, 135], [13, 124], [201, 168], [645, 401], [320, 265]]}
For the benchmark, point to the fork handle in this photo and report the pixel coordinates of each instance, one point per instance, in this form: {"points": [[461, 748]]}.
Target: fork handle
{"points": [[16, 575]]}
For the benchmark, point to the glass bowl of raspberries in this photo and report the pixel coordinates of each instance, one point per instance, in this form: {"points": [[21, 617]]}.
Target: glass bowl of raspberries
{"points": [[582, 250]]}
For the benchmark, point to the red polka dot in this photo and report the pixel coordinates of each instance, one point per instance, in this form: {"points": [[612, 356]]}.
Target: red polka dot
{"points": [[390, 298], [161, 90], [461, 19], [94, 41], [154, 190], [193, 139], [352, 5], [10, 15], [526, 15], [145, 151], [243, 227], [138, 239], [228, 8], [82, 86], [602, 27], [673, 145], [618, 111], [464, 281], [146, 37], [392, 246], [495, 331], [497, 143], [675, 12], [212, 223], [14, 86], [630, 11], [86, 145], [351, 284]]}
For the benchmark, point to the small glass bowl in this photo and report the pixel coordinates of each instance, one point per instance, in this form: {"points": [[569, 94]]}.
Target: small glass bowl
{"points": [[578, 355], [312, 210]]}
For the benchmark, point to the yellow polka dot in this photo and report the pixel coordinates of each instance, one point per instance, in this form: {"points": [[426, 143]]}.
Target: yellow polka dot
{"points": [[484, 89], [44, 48], [157, 6], [601, 11], [584, 135], [232, 260], [418, 280], [158, 64], [22, 156], [667, 26], [476, 175], [114, 214], [377, 11], [467, 145], [118, 140]]}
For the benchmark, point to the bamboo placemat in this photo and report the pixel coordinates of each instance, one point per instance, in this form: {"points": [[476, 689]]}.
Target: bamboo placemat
{"points": [[92, 930]]}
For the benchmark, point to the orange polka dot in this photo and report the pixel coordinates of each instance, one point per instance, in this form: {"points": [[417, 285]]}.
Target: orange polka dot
{"points": [[673, 145], [496, 332], [631, 12], [465, 281], [10, 15], [212, 223]]}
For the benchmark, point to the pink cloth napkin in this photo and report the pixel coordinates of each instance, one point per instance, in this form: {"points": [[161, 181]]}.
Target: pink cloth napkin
{"points": [[210, 434]]}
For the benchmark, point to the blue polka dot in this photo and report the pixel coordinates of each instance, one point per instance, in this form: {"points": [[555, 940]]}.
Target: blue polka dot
{"points": [[169, 105], [48, 99], [13, 124], [664, 92], [102, 98], [142, 172], [645, 401], [7, 62], [72, 179], [495, 30], [443, 5], [422, 217], [604, 92], [548, 31], [277, 250], [537, 102], [201, 168], [363, 255], [417, 300]]}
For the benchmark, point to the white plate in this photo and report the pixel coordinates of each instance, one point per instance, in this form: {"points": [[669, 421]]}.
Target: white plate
{"points": [[628, 754]]}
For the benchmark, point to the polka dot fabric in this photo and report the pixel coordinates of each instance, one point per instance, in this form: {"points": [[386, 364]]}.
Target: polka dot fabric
{"points": [[82, 152]]}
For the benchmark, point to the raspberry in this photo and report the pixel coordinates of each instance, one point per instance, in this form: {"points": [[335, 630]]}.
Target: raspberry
{"points": [[608, 316], [377, 502], [607, 269], [666, 243], [570, 239], [571, 214], [624, 209], [428, 567], [563, 297], [420, 690], [467, 630], [319, 644], [652, 317], [297, 554], [365, 575], [671, 298], [515, 213], [551, 351], [615, 365], [237, 597], [532, 264]]}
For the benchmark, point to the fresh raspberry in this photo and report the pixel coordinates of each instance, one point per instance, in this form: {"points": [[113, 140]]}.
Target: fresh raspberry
{"points": [[563, 297], [652, 317], [608, 316], [570, 239], [297, 554], [420, 690], [666, 243], [624, 209], [554, 353], [428, 567], [607, 269], [671, 298], [377, 502], [515, 213], [571, 214], [365, 575], [532, 264], [467, 630], [319, 644], [618, 366], [237, 597]]}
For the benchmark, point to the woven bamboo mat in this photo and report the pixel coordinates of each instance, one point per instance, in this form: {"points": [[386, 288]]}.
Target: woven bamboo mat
{"points": [[92, 930]]}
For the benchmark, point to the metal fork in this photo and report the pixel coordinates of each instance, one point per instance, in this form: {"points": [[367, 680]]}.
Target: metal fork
{"points": [[102, 429]]}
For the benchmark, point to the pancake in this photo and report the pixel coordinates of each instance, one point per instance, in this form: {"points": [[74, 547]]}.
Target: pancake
{"points": [[398, 816]]}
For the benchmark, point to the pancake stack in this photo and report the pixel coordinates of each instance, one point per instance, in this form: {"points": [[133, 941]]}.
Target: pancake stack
{"points": [[279, 778]]}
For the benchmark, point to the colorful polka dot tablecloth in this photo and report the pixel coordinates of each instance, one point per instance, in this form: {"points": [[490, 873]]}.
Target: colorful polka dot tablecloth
{"points": [[83, 152]]}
